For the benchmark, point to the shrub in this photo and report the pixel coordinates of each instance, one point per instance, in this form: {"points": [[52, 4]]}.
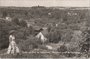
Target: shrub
{"points": [[62, 48], [23, 23], [28, 44], [73, 47], [16, 21], [21, 33], [31, 30], [66, 35], [54, 36]]}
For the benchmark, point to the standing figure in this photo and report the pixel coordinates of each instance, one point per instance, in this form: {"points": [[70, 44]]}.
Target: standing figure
{"points": [[13, 48]]}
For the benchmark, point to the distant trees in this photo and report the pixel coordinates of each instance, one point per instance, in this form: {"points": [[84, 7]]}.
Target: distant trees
{"points": [[19, 22], [40, 15], [4, 14]]}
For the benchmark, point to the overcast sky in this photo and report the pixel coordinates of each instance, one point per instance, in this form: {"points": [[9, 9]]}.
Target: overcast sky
{"points": [[48, 3]]}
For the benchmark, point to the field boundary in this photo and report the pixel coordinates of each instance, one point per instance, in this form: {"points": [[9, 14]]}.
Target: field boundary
{"points": [[48, 52], [53, 52]]}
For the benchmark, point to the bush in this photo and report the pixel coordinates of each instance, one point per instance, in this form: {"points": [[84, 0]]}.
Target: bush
{"points": [[74, 43], [73, 47], [23, 23], [67, 35], [54, 36], [62, 48], [16, 21], [31, 30], [20, 34], [28, 44]]}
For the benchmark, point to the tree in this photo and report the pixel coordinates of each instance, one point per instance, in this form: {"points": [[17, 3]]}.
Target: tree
{"points": [[4, 14], [54, 36], [23, 23], [16, 21]]}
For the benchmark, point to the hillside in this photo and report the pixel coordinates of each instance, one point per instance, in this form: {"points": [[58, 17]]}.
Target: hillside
{"points": [[65, 25]]}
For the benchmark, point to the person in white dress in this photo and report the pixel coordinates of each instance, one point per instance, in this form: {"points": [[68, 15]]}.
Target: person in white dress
{"points": [[13, 48]]}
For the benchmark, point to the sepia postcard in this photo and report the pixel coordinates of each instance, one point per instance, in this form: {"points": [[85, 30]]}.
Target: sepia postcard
{"points": [[46, 29]]}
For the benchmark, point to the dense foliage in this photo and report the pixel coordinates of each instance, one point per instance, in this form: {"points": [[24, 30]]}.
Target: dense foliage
{"points": [[68, 21]]}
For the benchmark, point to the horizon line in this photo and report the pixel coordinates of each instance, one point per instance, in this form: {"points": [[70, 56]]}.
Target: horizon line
{"points": [[48, 6]]}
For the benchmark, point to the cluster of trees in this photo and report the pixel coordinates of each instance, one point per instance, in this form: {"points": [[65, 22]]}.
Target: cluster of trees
{"points": [[40, 12], [5, 27], [49, 15]]}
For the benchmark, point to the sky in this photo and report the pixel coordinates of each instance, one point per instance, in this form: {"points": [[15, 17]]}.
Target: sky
{"points": [[47, 3]]}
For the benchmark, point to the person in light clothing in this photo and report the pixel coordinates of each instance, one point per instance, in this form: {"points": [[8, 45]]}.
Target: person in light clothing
{"points": [[13, 48]]}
